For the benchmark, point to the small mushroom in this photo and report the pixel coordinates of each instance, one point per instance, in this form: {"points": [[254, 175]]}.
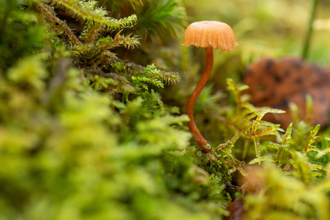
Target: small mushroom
{"points": [[207, 34]]}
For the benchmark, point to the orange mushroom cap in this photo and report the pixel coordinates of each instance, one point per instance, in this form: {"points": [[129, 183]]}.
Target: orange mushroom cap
{"points": [[210, 33]]}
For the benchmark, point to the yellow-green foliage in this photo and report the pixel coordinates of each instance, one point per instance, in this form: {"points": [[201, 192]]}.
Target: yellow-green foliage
{"points": [[293, 179], [287, 197]]}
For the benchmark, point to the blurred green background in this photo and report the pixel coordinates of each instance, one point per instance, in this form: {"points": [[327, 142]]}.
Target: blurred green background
{"points": [[271, 28]]}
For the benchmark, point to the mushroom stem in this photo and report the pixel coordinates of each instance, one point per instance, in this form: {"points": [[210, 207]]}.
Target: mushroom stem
{"points": [[192, 100]]}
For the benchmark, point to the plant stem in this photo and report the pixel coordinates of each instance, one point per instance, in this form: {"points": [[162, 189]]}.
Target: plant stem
{"points": [[278, 156], [192, 100], [310, 31]]}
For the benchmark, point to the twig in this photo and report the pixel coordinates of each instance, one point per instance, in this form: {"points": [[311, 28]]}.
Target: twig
{"points": [[310, 31], [50, 16]]}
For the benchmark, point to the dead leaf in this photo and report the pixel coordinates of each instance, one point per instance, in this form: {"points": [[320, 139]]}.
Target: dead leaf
{"points": [[276, 83], [236, 209]]}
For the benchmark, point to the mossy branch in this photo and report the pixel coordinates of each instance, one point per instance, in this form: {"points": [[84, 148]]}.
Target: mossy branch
{"points": [[108, 82], [88, 53], [95, 54], [91, 33], [50, 16], [149, 75], [88, 11], [130, 69]]}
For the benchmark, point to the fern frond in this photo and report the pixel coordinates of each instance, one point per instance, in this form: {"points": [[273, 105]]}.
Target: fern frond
{"points": [[88, 11]]}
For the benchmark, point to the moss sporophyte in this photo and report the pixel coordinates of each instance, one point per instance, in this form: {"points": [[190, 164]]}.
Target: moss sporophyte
{"points": [[209, 35]]}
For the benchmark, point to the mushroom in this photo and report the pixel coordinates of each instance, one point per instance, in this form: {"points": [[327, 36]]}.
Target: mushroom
{"points": [[207, 34]]}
